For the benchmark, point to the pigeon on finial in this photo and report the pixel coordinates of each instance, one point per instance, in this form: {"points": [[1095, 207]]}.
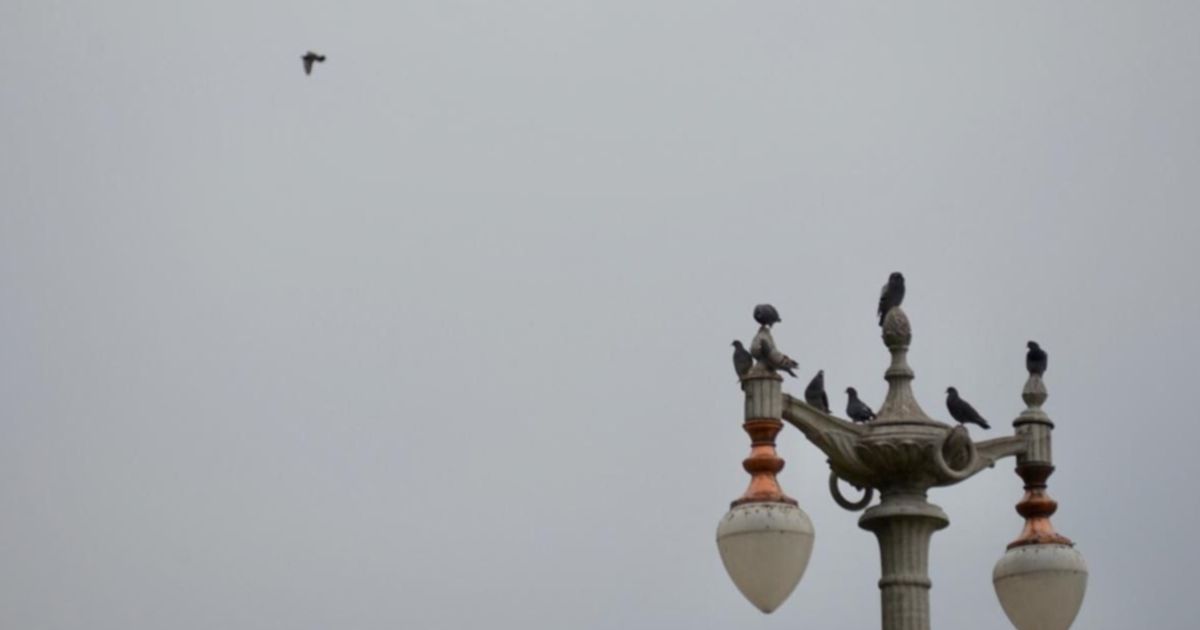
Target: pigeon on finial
{"points": [[742, 361], [814, 394], [310, 57], [766, 315], [892, 295], [962, 410], [1036, 359], [857, 409], [764, 350]]}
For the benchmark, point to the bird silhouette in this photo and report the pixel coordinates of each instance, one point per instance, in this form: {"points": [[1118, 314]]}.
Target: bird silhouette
{"points": [[766, 315], [857, 409], [814, 394], [742, 361], [1036, 359], [309, 58], [892, 295], [962, 410]]}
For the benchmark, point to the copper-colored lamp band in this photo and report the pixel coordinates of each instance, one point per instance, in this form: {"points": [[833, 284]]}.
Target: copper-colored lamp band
{"points": [[763, 464], [1037, 507]]}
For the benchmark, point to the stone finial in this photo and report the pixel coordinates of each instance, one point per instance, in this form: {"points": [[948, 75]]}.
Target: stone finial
{"points": [[900, 403], [1035, 466], [1034, 394], [897, 331], [763, 348]]}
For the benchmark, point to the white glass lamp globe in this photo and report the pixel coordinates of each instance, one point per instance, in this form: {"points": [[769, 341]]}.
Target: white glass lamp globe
{"points": [[1041, 587], [765, 548]]}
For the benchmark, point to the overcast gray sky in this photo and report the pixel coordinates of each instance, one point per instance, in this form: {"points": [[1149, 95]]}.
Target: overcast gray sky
{"points": [[438, 337]]}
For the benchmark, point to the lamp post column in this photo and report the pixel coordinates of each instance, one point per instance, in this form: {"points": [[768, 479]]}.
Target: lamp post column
{"points": [[904, 523]]}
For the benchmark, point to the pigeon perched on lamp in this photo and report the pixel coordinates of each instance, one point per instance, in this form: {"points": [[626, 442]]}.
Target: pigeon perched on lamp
{"points": [[766, 315], [815, 395], [742, 361], [962, 411], [857, 409], [892, 295], [1036, 359]]}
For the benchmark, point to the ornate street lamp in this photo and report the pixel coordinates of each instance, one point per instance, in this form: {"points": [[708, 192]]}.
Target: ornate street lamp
{"points": [[766, 540]]}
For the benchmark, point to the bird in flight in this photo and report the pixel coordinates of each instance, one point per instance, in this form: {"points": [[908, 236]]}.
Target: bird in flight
{"points": [[309, 58]]}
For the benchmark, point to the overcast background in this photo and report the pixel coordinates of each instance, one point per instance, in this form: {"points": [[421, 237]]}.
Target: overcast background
{"points": [[438, 337]]}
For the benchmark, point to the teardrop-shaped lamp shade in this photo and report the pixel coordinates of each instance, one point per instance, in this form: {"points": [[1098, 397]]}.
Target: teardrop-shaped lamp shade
{"points": [[765, 548], [1041, 587]]}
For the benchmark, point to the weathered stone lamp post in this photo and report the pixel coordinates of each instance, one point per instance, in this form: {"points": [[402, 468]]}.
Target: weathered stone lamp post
{"points": [[765, 539]]}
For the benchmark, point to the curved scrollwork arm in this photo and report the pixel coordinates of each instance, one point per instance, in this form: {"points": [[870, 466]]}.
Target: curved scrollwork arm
{"points": [[975, 456], [962, 453], [843, 502]]}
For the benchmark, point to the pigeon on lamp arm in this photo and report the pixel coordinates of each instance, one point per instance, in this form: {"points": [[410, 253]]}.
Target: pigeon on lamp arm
{"points": [[857, 409], [962, 411], [815, 395]]}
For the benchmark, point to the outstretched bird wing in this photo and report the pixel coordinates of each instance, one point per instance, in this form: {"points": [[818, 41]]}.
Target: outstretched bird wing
{"points": [[308, 62]]}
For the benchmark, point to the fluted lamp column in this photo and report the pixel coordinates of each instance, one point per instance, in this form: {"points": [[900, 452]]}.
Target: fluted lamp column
{"points": [[1041, 579]]}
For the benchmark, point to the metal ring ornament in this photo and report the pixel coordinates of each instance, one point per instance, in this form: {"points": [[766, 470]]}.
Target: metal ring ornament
{"points": [[845, 504], [970, 468]]}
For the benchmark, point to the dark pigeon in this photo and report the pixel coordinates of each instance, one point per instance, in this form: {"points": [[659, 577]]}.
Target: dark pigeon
{"points": [[1036, 359], [742, 361], [892, 295], [774, 359], [309, 58], [814, 394], [857, 409], [766, 315], [962, 410]]}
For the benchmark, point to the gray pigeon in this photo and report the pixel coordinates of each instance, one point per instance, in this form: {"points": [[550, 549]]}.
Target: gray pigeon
{"points": [[766, 315], [857, 409], [774, 359], [814, 394], [962, 410], [742, 361], [309, 58], [892, 295], [1036, 359]]}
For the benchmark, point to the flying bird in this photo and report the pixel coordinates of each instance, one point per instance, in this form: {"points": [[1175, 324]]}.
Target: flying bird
{"points": [[742, 361], [814, 394], [1036, 359], [766, 315], [309, 58], [773, 359], [892, 295], [857, 409], [962, 410]]}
